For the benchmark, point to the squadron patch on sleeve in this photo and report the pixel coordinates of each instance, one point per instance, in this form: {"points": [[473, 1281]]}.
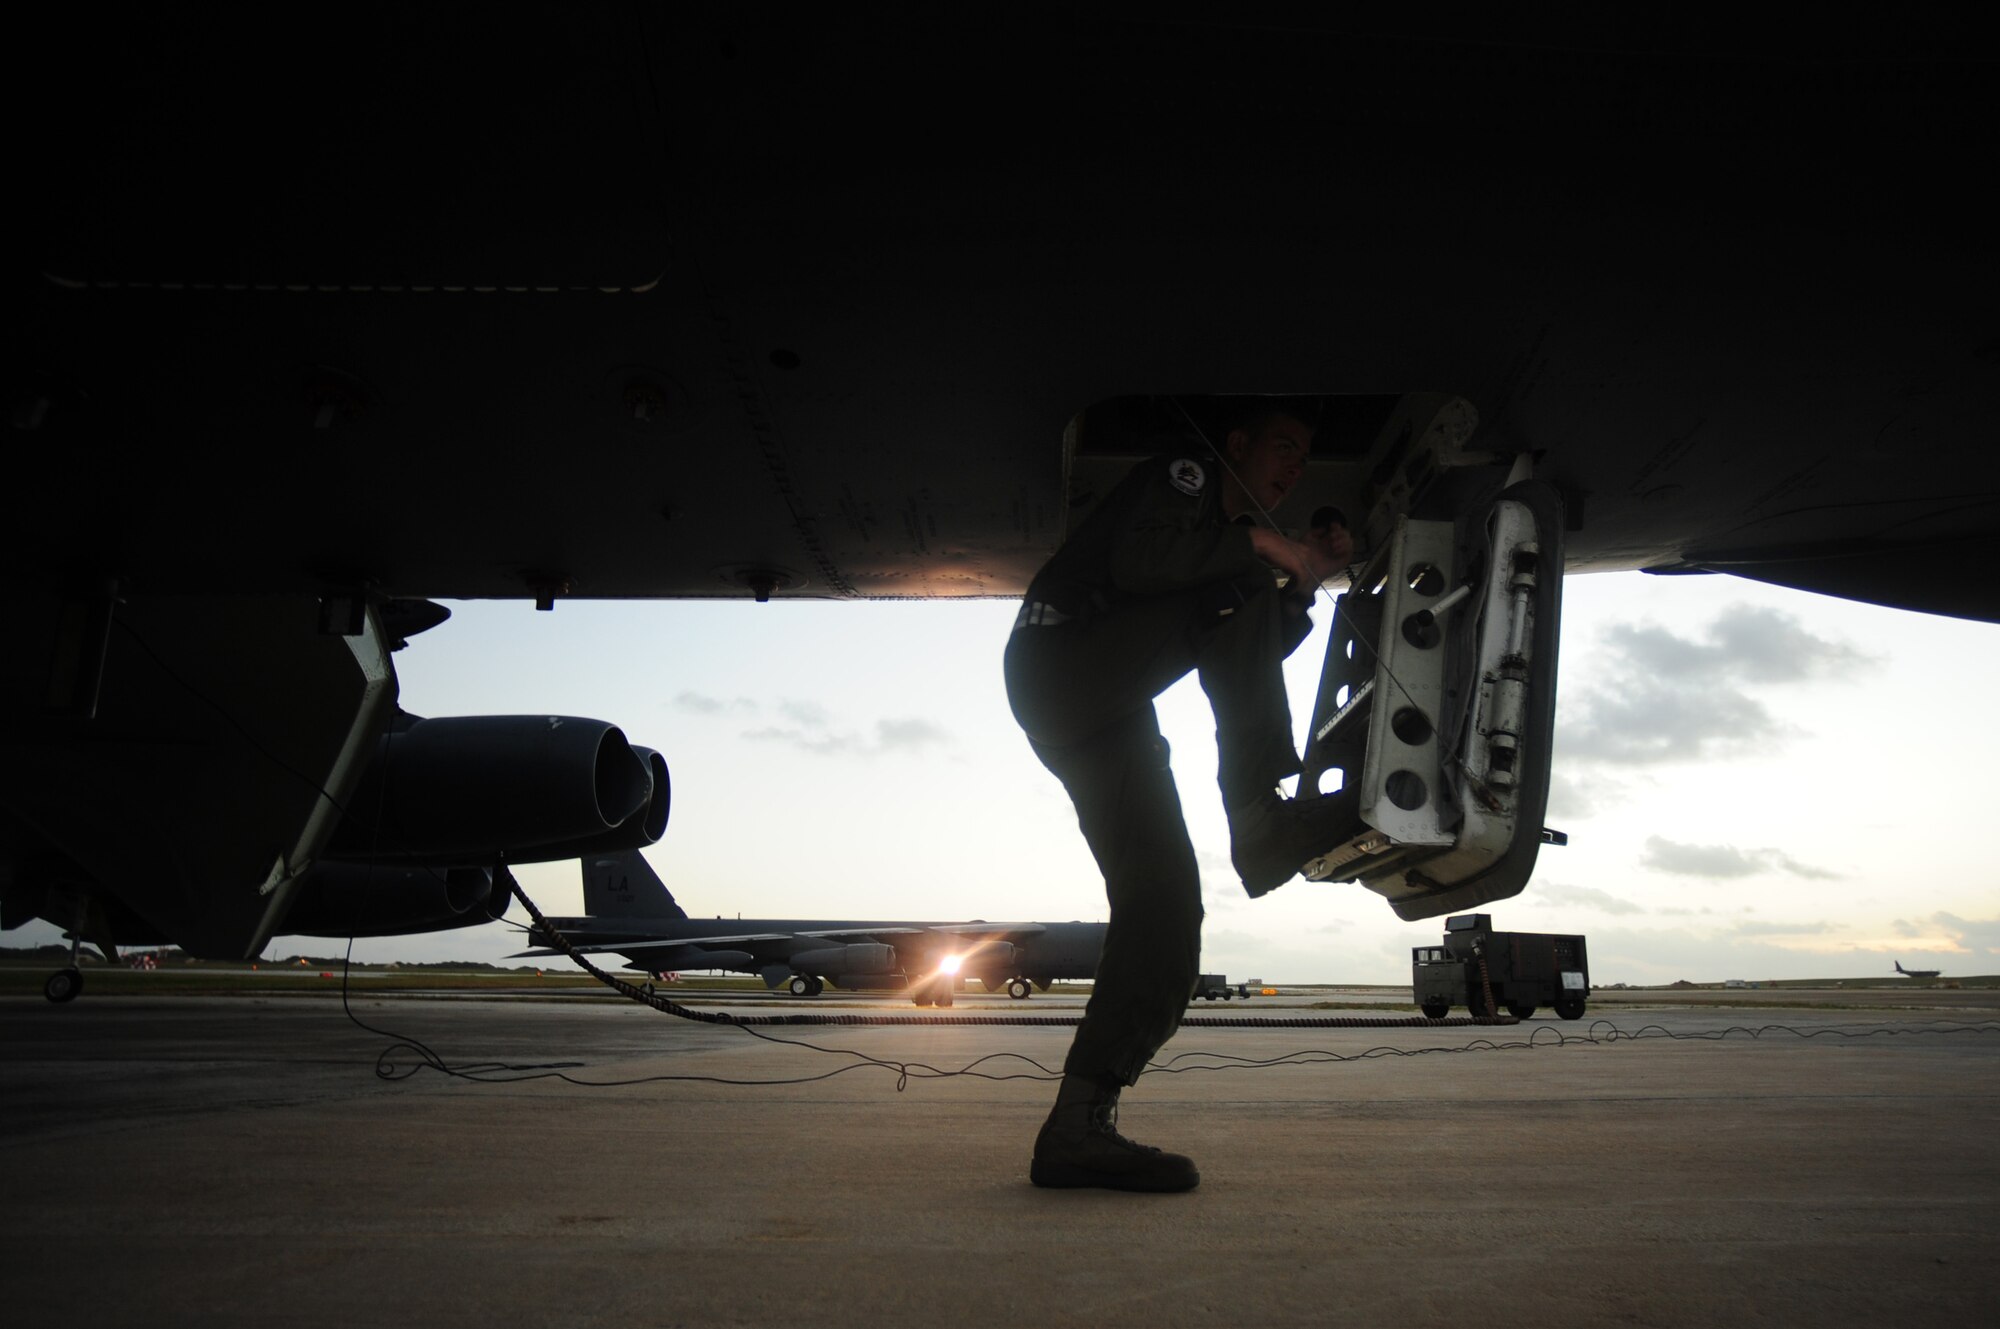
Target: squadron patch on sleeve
{"points": [[1187, 476]]}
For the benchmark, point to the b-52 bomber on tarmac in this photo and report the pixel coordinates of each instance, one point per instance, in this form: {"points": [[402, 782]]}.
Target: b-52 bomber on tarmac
{"points": [[633, 914]]}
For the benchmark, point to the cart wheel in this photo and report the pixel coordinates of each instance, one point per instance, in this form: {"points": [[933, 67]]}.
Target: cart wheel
{"points": [[1475, 1003], [1435, 1010], [1569, 1008], [1521, 1010]]}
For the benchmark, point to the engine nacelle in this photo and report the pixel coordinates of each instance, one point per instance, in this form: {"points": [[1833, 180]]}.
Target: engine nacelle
{"points": [[636, 832], [530, 788], [683, 958], [696, 958], [378, 900], [991, 957], [860, 958]]}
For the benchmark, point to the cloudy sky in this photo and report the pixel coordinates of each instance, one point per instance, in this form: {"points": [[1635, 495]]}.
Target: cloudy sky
{"points": [[1756, 783]]}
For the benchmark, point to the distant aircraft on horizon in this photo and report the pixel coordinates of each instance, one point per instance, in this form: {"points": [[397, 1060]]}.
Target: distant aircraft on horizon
{"points": [[1915, 973], [633, 914]]}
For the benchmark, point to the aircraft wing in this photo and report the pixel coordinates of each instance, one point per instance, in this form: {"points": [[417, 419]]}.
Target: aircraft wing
{"points": [[864, 932], [670, 943], [946, 929], [990, 929]]}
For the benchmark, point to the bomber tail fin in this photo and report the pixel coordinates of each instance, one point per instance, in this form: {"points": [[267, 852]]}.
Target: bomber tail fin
{"points": [[624, 885]]}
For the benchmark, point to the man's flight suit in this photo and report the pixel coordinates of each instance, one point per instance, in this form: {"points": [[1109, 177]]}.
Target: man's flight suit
{"points": [[1156, 582]]}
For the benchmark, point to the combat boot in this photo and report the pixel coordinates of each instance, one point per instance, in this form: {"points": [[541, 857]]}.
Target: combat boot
{"points": [[1271, 837], [1080, 1146]]}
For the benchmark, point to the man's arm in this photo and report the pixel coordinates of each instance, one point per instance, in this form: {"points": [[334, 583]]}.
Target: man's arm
{"points": [[1326, 551]]}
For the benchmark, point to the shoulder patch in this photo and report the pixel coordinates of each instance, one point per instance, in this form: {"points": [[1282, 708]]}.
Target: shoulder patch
{"points": [[1187, 476]]}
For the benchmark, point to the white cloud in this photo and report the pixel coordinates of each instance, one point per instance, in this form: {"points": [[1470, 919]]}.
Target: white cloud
{"points": [[1759, 928], [1949, 932], [1660, 697], [1586, 897], [812, 732], [808, 713], [910, 734], [1723, 861], [703, 704]]}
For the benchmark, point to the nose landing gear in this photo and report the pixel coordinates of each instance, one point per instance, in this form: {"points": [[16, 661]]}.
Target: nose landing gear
{"points": [[66, 984], [63, 985], [938, 991]]}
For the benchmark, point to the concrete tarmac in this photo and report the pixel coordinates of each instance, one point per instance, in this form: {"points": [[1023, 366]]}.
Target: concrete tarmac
{"points": [[238, 1161]]}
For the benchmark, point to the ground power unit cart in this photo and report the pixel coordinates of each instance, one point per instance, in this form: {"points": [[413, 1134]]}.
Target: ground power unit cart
{"points": [[1518, 972]]}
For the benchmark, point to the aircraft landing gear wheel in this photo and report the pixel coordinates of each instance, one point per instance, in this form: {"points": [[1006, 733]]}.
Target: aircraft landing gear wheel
{"points": [[1018, 989], [63, 985], [1521, 1010], [1569, 1008], [944, 994], [1435, 1010], [801, 985], [819, 986]]}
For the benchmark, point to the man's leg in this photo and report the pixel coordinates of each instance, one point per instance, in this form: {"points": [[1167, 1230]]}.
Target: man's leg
{"points": [[1241, 659], [1130, 814], [1241, 662]]}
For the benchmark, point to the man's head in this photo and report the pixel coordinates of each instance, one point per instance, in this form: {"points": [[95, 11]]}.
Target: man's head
{"points": [[1266, 454]]}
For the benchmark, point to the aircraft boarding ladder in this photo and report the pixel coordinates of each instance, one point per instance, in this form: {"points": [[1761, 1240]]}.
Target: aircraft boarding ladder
{"points": [[1438, 697]]}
